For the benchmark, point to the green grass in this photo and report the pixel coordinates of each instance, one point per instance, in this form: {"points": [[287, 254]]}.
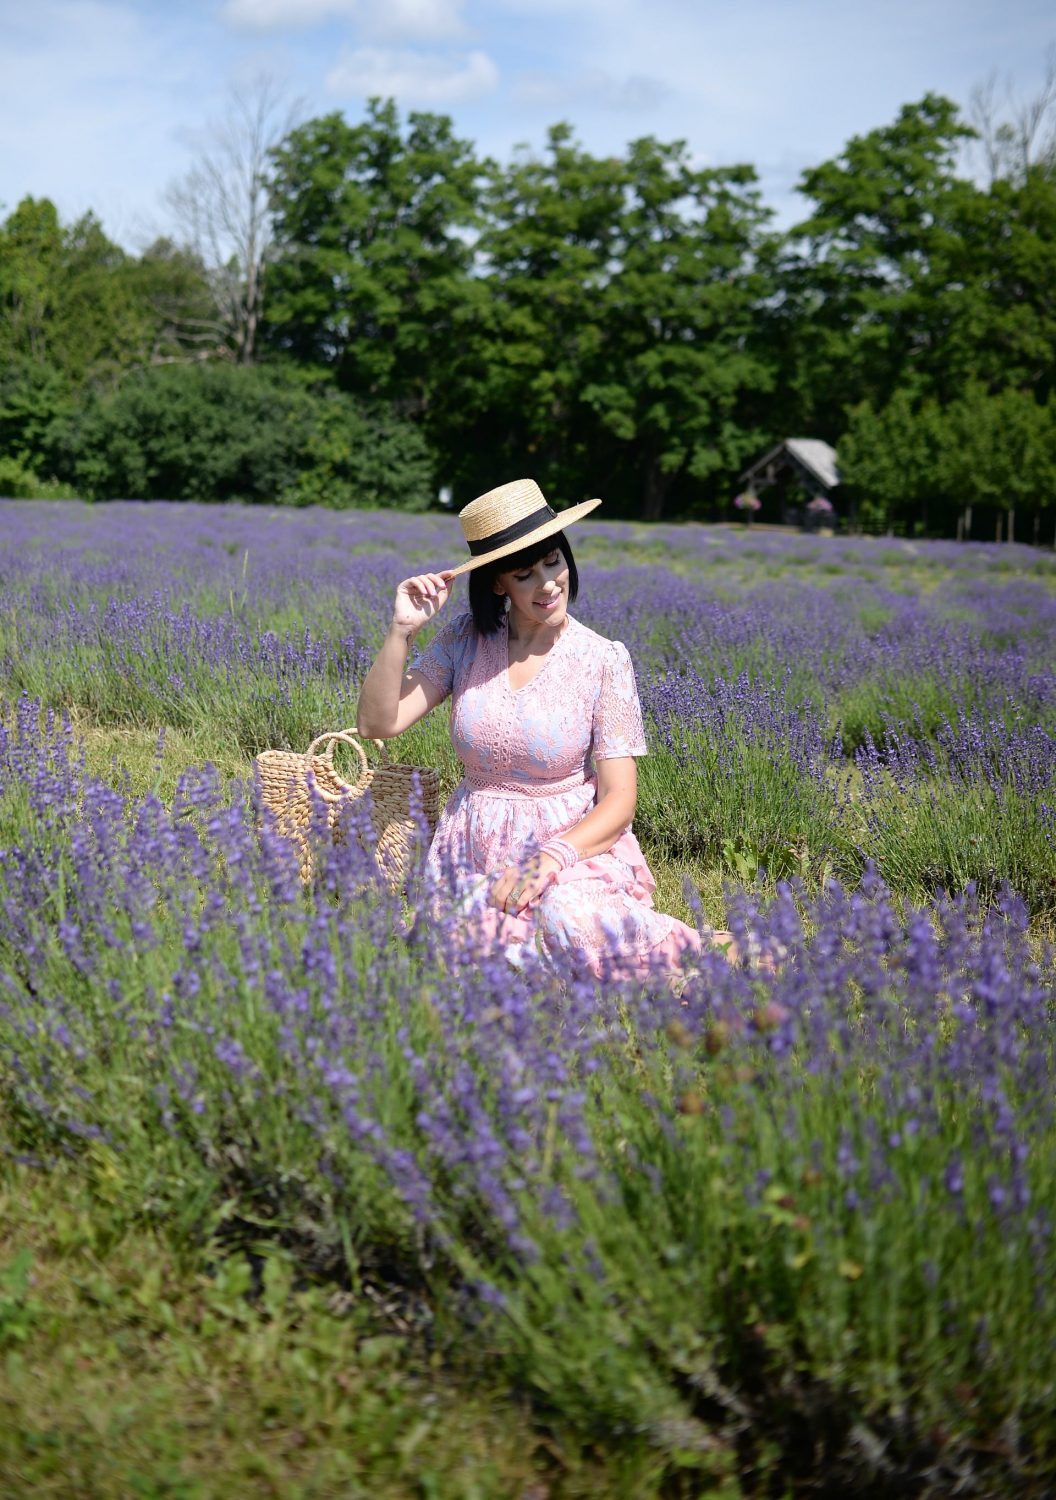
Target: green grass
{"points": [[132, 1368]]}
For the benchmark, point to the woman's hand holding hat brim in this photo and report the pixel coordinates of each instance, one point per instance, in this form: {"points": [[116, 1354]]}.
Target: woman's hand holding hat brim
{"points": [[420, 599]]}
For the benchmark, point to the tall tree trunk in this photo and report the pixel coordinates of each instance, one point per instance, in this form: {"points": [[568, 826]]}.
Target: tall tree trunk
{"points": [[1010, 535], [251, 313], [655, 490], [967, 522]]}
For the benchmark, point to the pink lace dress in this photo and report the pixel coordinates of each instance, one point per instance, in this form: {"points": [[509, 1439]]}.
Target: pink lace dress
{"points": [[529, 775]]}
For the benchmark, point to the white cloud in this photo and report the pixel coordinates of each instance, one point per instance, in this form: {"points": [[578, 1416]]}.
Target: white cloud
{"points": [[606, 11], [413, 77], [413, 20], [284, 15], [382, 20], [631, 94]]}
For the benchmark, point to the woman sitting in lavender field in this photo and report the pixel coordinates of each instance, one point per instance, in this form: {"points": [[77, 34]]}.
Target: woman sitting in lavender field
{"points": [[546, 720]]}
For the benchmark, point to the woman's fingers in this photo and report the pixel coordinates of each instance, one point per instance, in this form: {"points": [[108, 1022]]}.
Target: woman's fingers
{"points": [[517, 888], [506, 893], [423, 586], [500, 891], [419, 598], [531, 891]]}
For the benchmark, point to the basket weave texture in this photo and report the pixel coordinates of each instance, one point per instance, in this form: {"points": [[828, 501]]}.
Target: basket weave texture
{"points": [[285, 781]]}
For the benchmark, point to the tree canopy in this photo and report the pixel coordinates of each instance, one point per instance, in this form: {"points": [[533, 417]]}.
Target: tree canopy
{"points": [[630, 325]]}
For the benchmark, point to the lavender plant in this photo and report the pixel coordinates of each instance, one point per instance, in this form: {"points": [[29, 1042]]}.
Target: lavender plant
{"points": [[795, 1220], [806, 1203]]}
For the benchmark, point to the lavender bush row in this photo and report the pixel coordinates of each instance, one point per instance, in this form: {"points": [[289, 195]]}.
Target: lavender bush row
{"points": [[742, 777], [846, 631], [805, 1208], [780, 674]]}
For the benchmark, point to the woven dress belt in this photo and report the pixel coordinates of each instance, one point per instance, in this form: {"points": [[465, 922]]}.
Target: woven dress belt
{"points": [[529, 789]]}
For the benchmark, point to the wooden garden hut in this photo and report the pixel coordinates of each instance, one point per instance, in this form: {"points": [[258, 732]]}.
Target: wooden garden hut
{"points": [[795, 466]]}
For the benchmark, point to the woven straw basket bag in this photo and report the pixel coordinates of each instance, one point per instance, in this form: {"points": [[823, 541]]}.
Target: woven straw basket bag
{"points": [[284, 780]]}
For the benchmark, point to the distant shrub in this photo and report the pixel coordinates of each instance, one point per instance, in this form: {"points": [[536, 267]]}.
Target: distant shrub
{"points": [[360, 456], [220, 432], [19, 483], [32, 398]]}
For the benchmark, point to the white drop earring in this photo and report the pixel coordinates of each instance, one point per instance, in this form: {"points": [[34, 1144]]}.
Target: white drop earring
{"points": [[506, 601]]}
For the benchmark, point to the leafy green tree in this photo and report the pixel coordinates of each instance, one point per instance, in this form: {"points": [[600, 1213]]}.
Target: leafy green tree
{"points": [[668, 378], [33, 396], [908, 276], [513, 398], [892, 461], [1001, 453], [921, 465], [373, 256], [998, 301], [103, 326], [31, 252], [609, 353], [860, 311], [357, 453], [65, 299], [73, 302]]}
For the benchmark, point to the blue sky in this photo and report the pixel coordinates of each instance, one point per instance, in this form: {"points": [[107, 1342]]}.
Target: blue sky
{"points": [[101, 100]]}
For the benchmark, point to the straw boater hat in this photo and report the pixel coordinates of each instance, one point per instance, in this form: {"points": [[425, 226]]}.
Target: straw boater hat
{"points": [[510, 518]]}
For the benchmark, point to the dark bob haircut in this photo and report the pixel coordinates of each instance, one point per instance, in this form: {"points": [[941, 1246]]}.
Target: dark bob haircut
{"points": [[487, 606]]}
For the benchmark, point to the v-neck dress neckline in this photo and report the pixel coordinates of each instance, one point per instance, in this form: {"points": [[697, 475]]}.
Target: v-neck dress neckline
{"points": [[516, 692]]}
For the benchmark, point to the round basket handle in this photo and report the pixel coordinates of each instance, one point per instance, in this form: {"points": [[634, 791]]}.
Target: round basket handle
{"points": [[379, 745], [347, 738]]}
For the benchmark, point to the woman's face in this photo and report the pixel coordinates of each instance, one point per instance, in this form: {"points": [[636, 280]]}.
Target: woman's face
{"points": [[539, 594]]}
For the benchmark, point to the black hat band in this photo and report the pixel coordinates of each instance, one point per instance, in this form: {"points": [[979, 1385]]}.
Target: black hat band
{"points": [[514, 532]]}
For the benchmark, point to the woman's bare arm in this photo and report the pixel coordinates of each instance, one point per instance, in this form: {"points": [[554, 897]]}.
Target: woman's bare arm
{"points": [[611, 816], [613, 811], [391, 698]]}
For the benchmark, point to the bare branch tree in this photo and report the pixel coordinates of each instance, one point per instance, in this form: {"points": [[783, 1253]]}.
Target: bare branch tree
{"points": [[223, 208], [983, 112], [1016, 135], [1031, 119]]}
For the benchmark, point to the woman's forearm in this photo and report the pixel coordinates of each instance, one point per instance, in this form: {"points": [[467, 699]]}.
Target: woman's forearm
{"points": [[607, 821], [612, 814], [377, 713], [519, 885]]}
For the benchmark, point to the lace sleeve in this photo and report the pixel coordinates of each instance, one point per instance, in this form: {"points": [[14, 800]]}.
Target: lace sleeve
{"points": [[442, 657], [618, 728]]}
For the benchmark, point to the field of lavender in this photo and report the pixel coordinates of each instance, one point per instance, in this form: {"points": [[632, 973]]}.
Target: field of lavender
{"points": [[788, 1232]]}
